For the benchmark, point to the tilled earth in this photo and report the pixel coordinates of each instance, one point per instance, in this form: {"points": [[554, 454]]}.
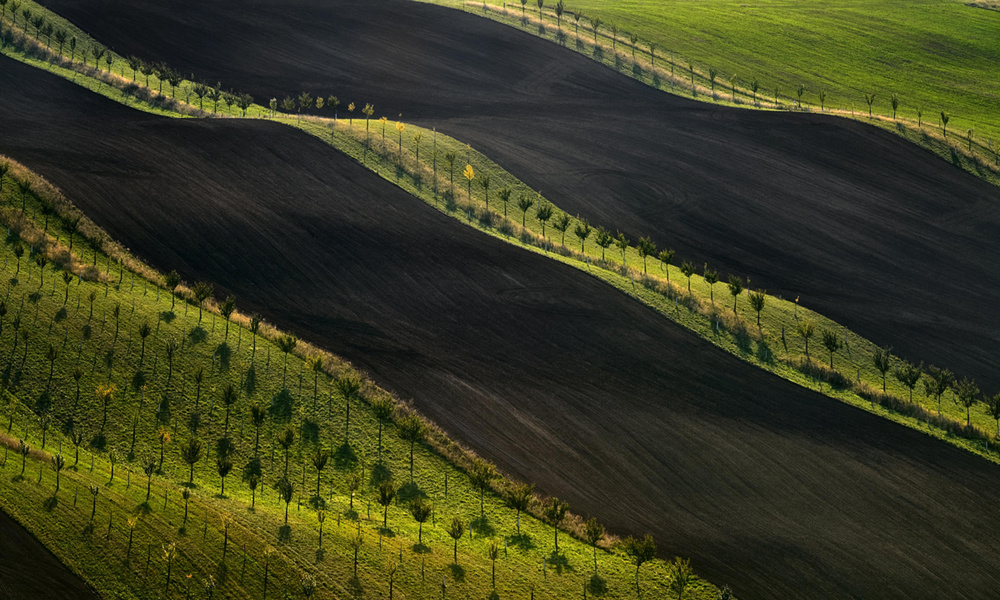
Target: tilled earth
{"points": [[780, 492], [28, 571], [870, 230]]}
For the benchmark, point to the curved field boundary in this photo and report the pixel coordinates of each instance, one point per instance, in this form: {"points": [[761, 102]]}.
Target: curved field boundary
{"points": [[873, 462], [978, 155], [111, 522], [775, 345]]}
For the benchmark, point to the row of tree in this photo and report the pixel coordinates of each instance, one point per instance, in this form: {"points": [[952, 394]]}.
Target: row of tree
{"points": [[193, 451], [162, 72], [752, 85]]}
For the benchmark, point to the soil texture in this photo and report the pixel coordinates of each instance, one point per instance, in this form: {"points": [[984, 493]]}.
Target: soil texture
{"points": [[560, 379]]}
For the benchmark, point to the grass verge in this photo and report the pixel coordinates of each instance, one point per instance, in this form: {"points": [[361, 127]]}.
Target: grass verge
{"points": [[416, 160], [971, 140], [117, 377]]}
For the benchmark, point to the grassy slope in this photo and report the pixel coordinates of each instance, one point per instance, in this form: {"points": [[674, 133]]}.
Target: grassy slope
{"points": [[774, 346], [760, 347], [58, 315], [933, 55], [671, 73]]}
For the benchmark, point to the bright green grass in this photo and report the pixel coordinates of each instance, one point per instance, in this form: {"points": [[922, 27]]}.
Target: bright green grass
{"points": [[961, 87], [762, 346], [934, 54], [58, 315]]}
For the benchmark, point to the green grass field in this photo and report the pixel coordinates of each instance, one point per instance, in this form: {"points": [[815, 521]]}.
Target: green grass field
{"points": [[169, 405], [55, 329], [774, 346], [946, 72], [934, 54]]}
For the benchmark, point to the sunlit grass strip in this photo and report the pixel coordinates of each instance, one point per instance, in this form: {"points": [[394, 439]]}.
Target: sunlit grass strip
{"points": [[974, 152], [377, 143], [76, 322]]}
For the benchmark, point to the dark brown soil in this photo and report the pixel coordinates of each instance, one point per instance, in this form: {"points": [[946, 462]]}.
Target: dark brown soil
{"points": [[782, 493], [868, 229], [28, 571]]}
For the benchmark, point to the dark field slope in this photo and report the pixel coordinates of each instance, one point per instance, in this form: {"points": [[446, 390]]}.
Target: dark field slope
{"points": [[780, 492], [870, 230], [28, 571]]}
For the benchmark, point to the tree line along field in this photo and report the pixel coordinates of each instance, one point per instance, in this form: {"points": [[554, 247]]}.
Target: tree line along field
{"points": [[114, 389], [384, 159], [605, 168], [856, 370], [932, 56], [393, 148]]}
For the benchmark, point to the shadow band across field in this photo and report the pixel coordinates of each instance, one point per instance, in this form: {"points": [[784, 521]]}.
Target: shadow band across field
{"points": [[868, 229], [780, 492]]}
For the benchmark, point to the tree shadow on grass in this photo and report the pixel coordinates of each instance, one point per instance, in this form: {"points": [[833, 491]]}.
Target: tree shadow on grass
{"points": [[50, 503], [309, 430], [421, 549], [345, 458], [743, 342], [597, 585], [522, 541], [225, 353], [457, 573], [559, 563], [221, 573], [483, 527], [285, 533], [168, 316], [61, 315], [764, 352], [163, 412], [354, 588], [380, 473], [281, 406], [197, 335], [409, 492], [250, 381]]}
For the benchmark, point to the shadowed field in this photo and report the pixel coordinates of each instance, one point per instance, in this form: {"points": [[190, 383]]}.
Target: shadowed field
{"points": [[866, 228], [560, 379]]}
